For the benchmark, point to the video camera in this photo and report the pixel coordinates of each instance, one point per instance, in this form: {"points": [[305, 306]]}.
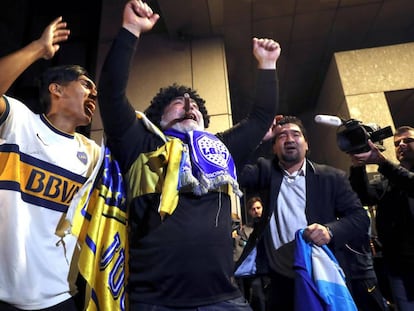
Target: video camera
{"points": [[352, 135]]}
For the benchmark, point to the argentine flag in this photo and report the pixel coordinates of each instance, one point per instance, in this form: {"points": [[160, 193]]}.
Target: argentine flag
{"points": [[320, 281]]}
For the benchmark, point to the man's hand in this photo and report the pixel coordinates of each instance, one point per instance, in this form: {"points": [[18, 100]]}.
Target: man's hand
{"points": [[267, 52], [138, 17], [317, 234], [46, 46], [55, 33], [374, 156], [271, 133]]}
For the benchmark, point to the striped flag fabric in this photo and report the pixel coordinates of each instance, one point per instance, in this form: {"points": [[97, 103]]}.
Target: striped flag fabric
{"points": [[320, 281], [98, 216]]}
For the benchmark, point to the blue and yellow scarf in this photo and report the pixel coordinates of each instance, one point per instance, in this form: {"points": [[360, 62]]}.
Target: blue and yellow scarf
{"points": [[196, 161]]}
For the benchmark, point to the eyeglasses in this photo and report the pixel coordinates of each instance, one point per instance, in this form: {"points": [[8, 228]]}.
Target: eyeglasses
{"points": [[406, 140]]}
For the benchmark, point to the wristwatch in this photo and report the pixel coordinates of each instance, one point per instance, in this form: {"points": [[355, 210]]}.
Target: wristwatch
{"points": [[329, 231]]}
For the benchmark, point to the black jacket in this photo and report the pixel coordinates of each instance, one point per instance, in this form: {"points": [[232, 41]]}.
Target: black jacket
{"points": [[330, 201], [393, 193], [186, 260]]}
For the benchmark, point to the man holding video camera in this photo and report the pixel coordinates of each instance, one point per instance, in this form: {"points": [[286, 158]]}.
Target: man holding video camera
{"points": [[393, 194]]}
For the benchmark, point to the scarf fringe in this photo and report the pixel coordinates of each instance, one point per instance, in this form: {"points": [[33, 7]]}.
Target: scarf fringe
{"points": [[206, 184], [187, 179]]}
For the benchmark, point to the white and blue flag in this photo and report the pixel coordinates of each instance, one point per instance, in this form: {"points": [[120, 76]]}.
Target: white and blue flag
{"points": [[320, 282]]}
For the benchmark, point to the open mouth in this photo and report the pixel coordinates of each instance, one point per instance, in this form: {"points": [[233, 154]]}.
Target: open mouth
{"points": [[90, 108], [188, 116], [290, 147]]}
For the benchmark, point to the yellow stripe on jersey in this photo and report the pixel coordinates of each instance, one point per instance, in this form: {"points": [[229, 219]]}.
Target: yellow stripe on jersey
{"points": [[39, 182]]}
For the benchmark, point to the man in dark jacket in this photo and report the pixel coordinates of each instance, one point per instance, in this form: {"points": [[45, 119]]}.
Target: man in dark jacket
{"points": [[298, 194], [393, 193]]}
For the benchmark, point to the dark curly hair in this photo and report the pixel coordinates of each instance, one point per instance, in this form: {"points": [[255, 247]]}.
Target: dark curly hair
{"points": [[166, 95]]}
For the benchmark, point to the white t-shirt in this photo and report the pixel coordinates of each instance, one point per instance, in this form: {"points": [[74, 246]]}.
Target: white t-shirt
{"points": [[41, 168]]}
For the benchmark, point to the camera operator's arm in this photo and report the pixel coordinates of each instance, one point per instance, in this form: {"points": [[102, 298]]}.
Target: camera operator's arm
{"points": [[367, 193], [396, 174], [374, 156]]}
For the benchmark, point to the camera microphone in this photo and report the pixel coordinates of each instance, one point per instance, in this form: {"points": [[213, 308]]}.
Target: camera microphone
{"points": [[328, 120]]}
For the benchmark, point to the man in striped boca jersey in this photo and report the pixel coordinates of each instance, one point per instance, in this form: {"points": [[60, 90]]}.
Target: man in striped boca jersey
{"points": [[43, 162]]}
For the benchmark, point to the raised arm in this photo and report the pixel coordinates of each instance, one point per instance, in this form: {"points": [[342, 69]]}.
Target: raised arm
{"points": [[13, 65], [253, 128], [138, 17], [116, 113], [266, 52]]}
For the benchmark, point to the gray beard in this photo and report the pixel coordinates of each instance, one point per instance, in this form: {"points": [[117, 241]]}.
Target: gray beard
{"points": [[186, 128]]}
